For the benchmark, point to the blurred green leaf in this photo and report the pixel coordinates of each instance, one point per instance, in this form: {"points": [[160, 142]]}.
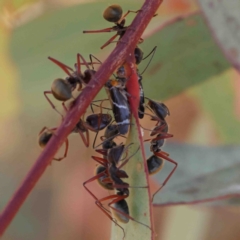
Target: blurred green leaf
{"points": [[217, 98], [186, 56], [202, 173], [15, 4], [224, 20]]}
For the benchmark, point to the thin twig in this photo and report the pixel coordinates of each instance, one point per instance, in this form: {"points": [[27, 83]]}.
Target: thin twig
{"points": [[133, 90], [115, 59]]}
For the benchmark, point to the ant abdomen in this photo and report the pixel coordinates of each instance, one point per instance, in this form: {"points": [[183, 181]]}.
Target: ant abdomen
{"points": [[154, 164], [61, 89], [113, 13], [121, 206], [44, 138]]}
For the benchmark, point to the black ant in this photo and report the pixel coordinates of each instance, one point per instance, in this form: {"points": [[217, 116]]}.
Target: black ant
{"points": [[118, 99], [156, 161], [62, 89], [109, 176], [45, 135], [94, 122], [121, 75], [113, 14]]}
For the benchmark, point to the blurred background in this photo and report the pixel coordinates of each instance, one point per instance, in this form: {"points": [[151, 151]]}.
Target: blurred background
{"points": [[205, 114]]}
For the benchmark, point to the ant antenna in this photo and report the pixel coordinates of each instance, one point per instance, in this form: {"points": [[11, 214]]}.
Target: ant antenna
{"points": [[151, 53]]}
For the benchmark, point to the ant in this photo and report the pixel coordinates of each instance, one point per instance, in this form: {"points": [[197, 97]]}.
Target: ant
{"points": [[109, 176], [120, 107], [45, 135], [113, 14], [156, 161], [121, 76], [62, 89], [94, 122]]}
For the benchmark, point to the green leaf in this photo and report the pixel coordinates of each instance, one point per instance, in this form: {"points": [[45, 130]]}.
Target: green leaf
{"points": [[217, 99], [202, 173], [139, 199], [186, 55], [223, 19]]}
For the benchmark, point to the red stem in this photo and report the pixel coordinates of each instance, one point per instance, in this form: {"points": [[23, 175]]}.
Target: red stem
{"points": [[115, 59], [133, 90]]}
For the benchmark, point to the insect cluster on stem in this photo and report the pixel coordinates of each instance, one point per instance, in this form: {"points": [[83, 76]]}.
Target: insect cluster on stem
{"points": [[114, 120]]}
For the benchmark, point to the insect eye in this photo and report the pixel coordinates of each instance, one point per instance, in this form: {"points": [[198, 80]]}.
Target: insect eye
{"points": [[113, 13]]}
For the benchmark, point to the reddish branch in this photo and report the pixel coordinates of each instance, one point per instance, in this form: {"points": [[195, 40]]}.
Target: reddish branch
{"points": [[115, 59], [133, 90]]}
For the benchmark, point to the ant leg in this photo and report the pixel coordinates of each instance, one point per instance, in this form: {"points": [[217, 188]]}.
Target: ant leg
{"points": [[91, 180], [91, 60], [126, 160], [65, 153], [85, 139], [49, 129], [164, 153], [109, 41], [79, 56], [124, 214], [101, 161], [95, 139], [64, 107], [99, 31], [102, 100], [50, 102], [99, 204], [108, 139], [166, 135], [64, 67], [160, 154], [129, 11], [151, 53]]}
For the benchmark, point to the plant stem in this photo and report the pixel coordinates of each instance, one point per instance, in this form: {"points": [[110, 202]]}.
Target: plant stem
{"points": [[115, 59]]}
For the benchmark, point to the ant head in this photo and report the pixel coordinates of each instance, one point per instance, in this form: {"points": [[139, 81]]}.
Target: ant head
{"points": [[121, 72], [99, 121], [138, 55], [79, 127], [113, 13], [44, 138], [111, 131], [61, 89], [88, 74]]}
